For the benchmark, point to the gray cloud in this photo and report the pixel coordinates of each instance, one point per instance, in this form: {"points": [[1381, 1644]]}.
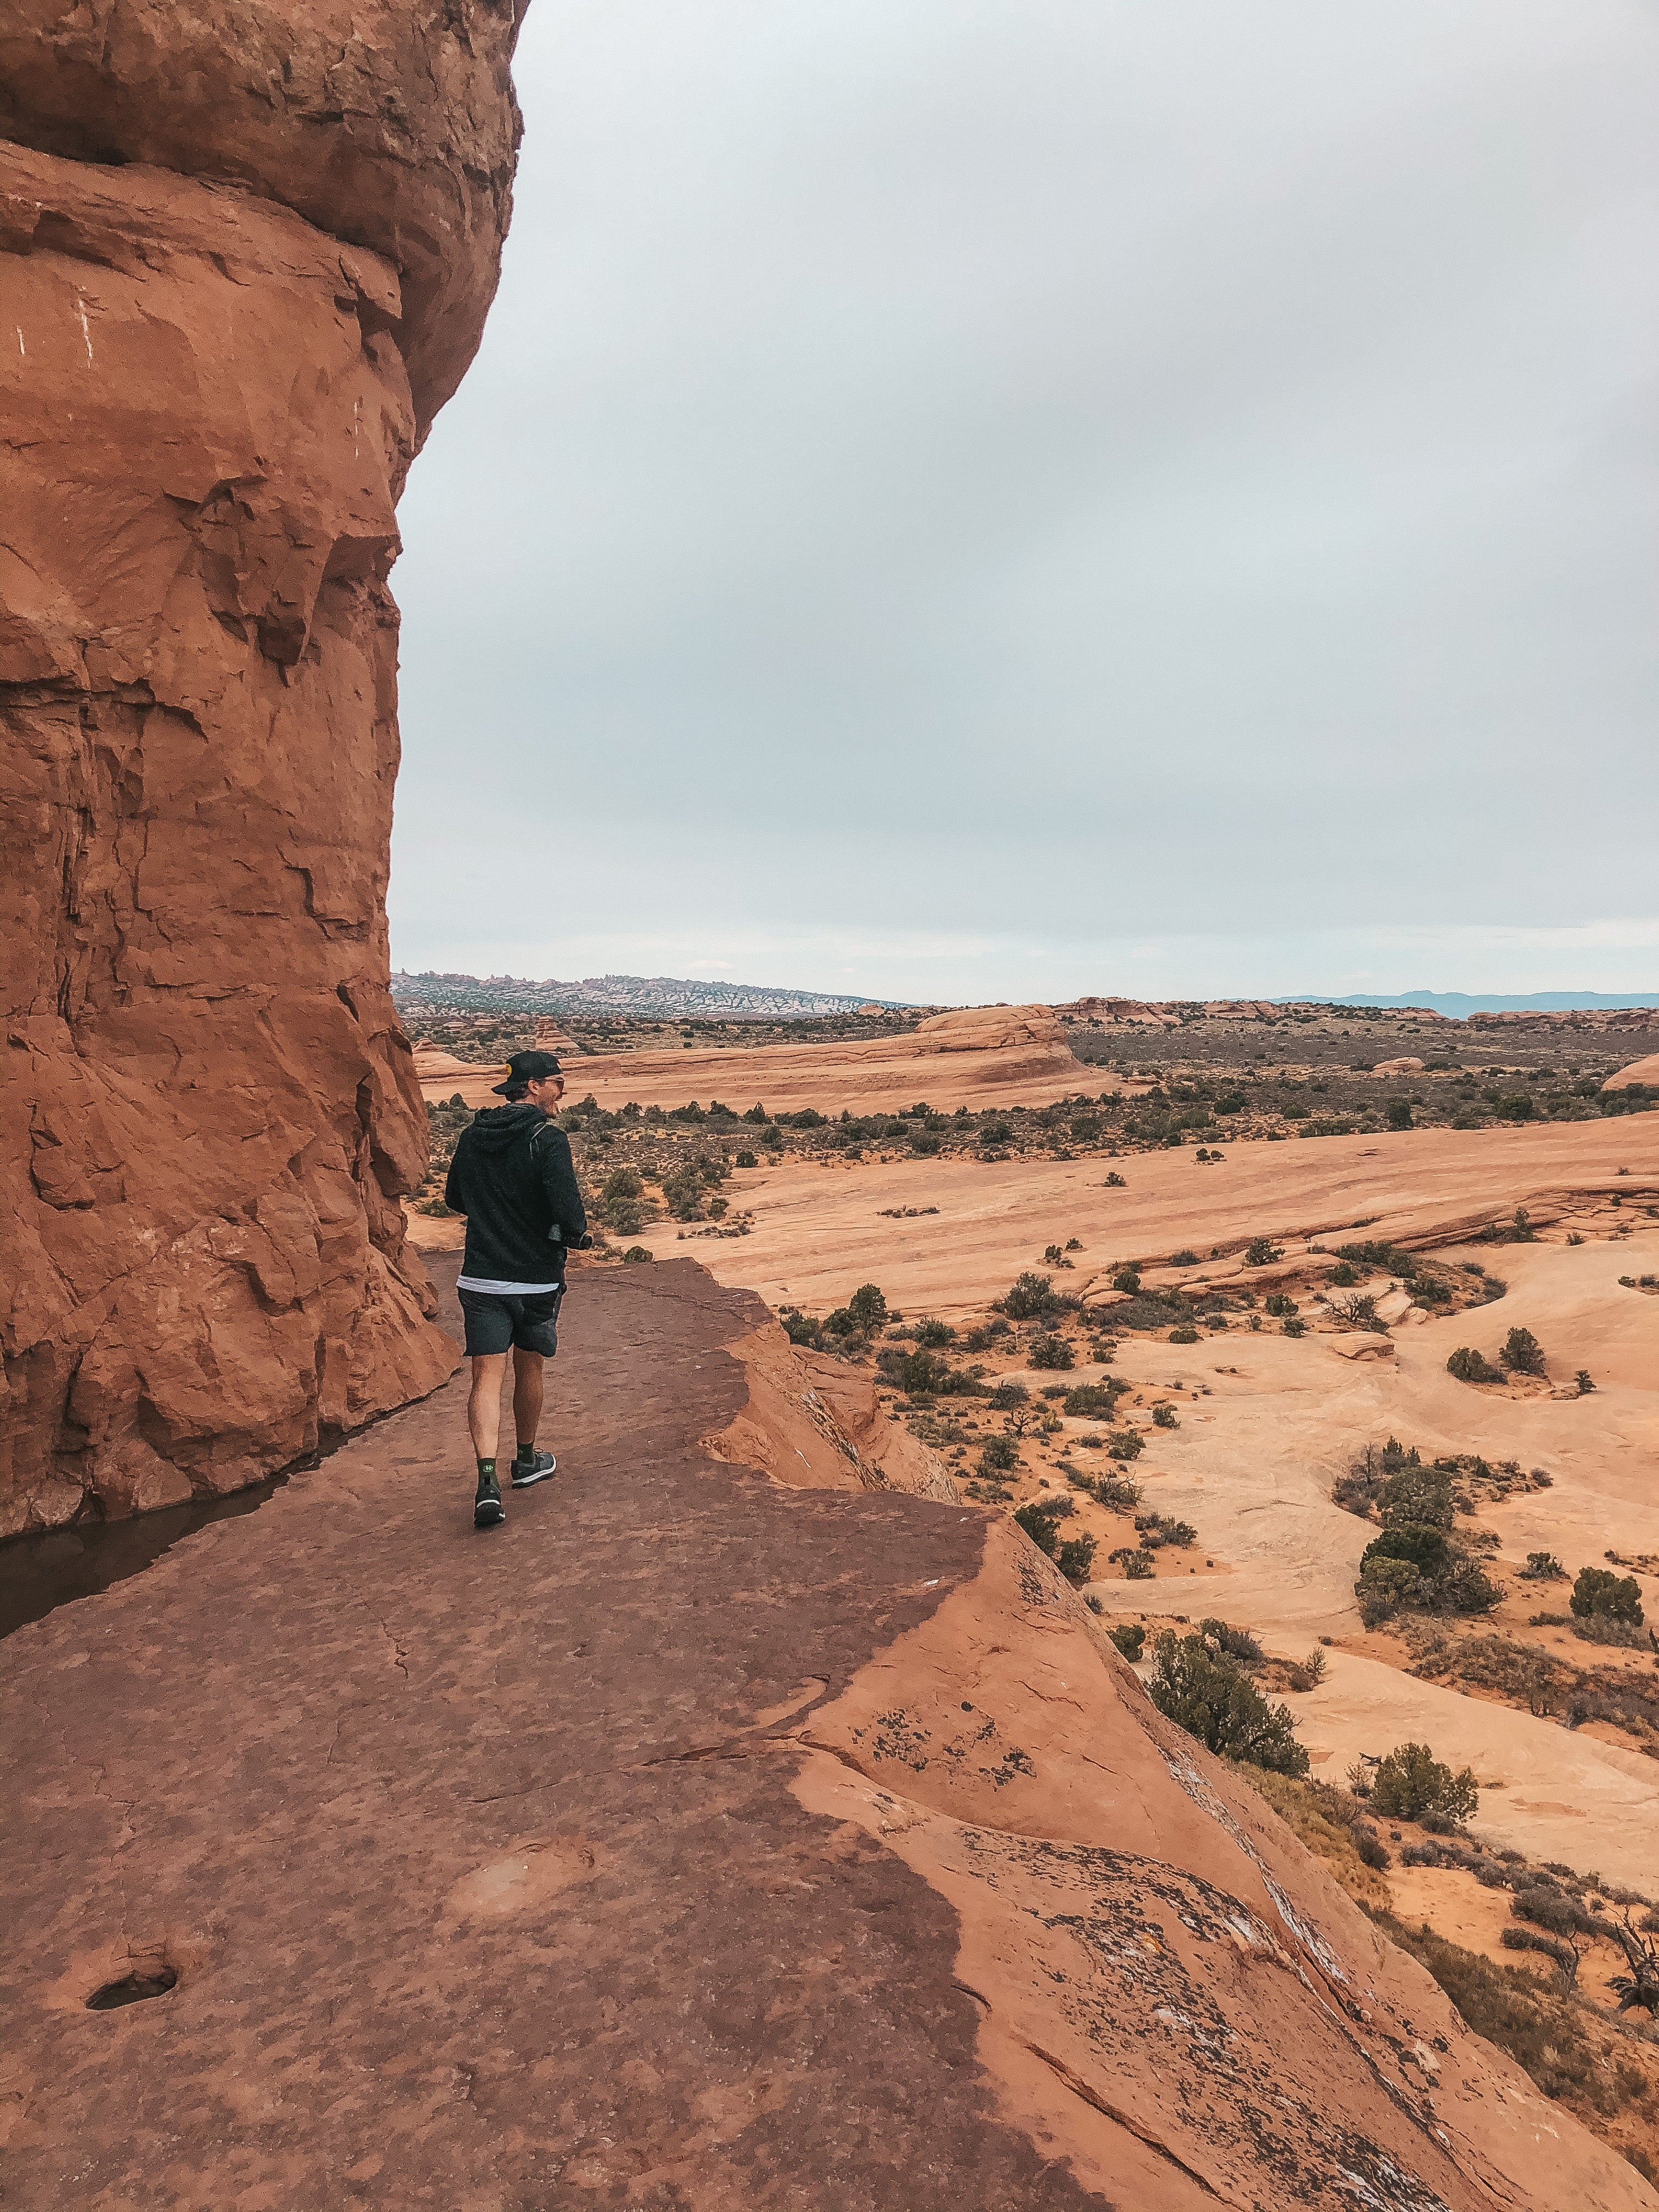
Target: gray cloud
{"points": [[1001, 499]]}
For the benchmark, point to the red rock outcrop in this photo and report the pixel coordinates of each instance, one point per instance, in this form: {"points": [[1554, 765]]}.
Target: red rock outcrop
{"points": [[1639, 1073], [974, 1056], [247, 254]]}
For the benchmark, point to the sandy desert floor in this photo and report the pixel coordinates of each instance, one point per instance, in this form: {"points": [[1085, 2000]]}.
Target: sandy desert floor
{"points": [[1266, 1424]]}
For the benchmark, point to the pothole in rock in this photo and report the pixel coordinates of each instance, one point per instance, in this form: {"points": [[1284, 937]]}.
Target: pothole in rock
{"points": [[132, 1988]]}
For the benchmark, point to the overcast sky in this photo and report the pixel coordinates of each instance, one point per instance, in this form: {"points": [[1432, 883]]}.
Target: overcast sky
{"points": [[994, 499]]}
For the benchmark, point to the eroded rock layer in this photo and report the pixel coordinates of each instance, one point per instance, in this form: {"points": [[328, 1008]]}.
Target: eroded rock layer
{"points": [[244, 255]]}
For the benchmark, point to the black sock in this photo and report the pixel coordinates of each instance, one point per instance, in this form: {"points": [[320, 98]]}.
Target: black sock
{"points": [[486, 1470], [527, 1451]]}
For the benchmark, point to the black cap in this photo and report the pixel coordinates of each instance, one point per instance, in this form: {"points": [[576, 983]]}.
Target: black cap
{"points": [[527, 1067]]}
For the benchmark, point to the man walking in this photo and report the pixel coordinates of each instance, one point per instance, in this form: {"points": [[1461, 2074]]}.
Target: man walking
{"points": [[513, 1177]]}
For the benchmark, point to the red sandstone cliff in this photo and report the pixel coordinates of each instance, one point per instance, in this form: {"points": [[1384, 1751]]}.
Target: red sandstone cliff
{"points": [[245, 254]]}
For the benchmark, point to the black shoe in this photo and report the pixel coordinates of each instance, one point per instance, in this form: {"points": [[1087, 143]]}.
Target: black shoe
{"points": [[488, 1510], [532, 1467]]}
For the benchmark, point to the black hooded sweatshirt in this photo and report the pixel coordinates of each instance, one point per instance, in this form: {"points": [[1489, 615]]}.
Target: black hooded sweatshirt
{"points": [[512, 1177]]}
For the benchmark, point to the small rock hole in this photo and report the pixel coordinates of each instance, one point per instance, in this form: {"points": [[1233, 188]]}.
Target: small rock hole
{"points": [[132, 1988]]}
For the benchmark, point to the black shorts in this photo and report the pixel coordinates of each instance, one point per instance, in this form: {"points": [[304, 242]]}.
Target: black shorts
{"points": [[494, 1323]]}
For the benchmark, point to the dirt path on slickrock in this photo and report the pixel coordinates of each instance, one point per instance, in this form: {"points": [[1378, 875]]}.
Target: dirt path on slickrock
{"points": [[693, 1842], [335, 1762]]}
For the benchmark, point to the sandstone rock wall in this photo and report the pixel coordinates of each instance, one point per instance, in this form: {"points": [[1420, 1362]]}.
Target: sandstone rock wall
{"points": [[245, 254]]}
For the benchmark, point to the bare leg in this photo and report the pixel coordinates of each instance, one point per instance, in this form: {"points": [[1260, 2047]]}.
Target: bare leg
{"points": [[483, 1407], [526, 1395]]}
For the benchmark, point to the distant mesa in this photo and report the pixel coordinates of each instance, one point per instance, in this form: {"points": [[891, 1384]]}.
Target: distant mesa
{"points": [[641, 998], [1481, 1008]]}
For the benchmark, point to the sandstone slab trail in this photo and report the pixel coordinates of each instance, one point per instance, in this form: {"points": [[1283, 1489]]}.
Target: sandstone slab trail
{"points": [[246, 253], [693, 1841]]}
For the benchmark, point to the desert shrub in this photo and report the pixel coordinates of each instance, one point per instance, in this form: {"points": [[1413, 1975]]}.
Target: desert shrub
{"points": [[1129, 1637], [1410, 1781], [1076, 1559], [802, 1328], [1125, 1444], [1087, 1402], [635, 1253], [1029, 1296], [924, 1374], [1163, 1416], [1527, 1939], [1416, 1496], [1605, 1628], [1583, 1382], [1279, 1305], [1184, 1333], [621, 1184], [1599, 1592], [1546, 1907], [1343, 1275], [1137, 1566], [683, 1190], [995, 1132], [1184, 1259], [1417, 1567], [1127, 1278], [1425, 1547], [1040, 1527], [869, 1308], [1383, 1587], [1469, 1365], [1543, 1567], [1522, 1354], [1216, 1701], [1372, 1850], [1157, 1530], [1400, 1113], [933, 1333], [1007, 1396], [757, 1113], [747, 1160], [1296, 1328], [1116, 1493], [1051, 1353], [998, 1453], [1233, 1643], [772, 1138], [1261, 1252]]}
